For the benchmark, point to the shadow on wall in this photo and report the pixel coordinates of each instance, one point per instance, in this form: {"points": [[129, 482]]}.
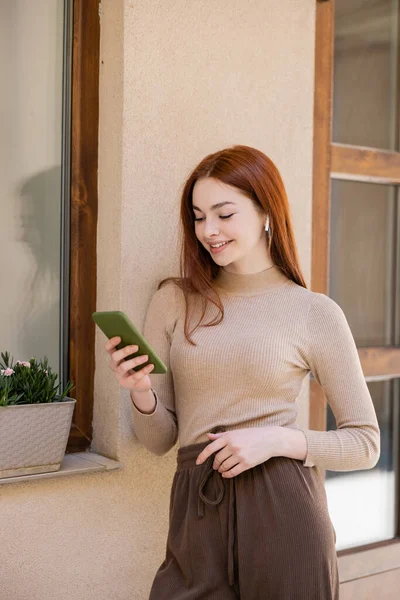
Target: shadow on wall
{"points": [[40, 232]]}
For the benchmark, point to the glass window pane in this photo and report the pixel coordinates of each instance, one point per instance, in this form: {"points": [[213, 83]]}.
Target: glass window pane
{"points": [[30, 183], [362, 504], [362, 251], [365, 65]]}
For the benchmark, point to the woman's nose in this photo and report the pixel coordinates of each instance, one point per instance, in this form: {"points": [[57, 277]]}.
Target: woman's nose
{"points": [[210, 230]]}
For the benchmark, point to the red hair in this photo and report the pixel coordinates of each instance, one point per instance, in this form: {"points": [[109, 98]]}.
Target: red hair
{"points": [[256, 176]]}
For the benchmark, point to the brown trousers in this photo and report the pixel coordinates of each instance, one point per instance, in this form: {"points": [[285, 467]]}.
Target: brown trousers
{"points": [[265, 534]]}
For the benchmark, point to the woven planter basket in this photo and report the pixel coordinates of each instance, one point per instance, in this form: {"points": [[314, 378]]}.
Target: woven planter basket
{"points": [[33, 437]]}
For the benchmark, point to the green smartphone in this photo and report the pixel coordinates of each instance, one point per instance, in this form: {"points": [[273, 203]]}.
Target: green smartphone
{"points": [[115, 323]]}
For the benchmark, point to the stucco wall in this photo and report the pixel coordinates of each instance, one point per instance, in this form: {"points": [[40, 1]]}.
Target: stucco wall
{"points": [[179, 80]]}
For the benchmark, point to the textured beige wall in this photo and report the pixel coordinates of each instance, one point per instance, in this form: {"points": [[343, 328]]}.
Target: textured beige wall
{"points": [[179, 79]]}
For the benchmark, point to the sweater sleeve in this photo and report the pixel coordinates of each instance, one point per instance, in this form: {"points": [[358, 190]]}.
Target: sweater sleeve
{"points": [[333, 359], [158, 431]]}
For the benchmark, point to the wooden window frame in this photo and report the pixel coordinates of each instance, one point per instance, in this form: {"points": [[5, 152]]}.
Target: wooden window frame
{"points": [[333, 160], [83, 217]]}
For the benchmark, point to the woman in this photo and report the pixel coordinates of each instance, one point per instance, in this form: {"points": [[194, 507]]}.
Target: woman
{"points": [[248, 511]]}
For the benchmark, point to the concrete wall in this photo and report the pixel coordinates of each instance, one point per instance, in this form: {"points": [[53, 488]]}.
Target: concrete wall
{"points": [[178, 80]]}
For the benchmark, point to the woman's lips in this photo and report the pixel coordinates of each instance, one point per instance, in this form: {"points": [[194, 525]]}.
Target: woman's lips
{"points": [[220, 249]]}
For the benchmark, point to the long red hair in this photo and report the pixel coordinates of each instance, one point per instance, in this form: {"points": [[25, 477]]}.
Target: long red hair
{"points": [[256, 176]]}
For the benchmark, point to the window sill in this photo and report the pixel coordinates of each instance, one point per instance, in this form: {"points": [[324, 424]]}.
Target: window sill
{"points": [[73, 464]]}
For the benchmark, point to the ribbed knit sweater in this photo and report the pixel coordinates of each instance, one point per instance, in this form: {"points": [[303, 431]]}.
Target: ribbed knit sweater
{"points": [[248, 370]]}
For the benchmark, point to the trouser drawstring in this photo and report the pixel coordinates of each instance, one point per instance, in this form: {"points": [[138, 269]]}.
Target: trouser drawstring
{"points": [[209, 472]]}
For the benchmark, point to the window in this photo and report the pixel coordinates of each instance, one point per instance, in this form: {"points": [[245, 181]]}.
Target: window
{"points": [[49, 191], [356, 261]]}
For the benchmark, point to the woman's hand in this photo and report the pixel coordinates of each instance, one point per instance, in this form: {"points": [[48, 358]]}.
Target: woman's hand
{"points": [[241, 449], [139, 381]]}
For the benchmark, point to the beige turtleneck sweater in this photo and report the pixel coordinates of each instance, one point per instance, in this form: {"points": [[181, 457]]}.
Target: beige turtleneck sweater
{"points": [[248, 370]]}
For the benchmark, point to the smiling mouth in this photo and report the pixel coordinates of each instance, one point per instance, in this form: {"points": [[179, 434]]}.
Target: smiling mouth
{"points": [[220, 248]]}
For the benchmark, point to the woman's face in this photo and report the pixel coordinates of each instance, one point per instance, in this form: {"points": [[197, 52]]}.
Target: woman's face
{"points": [[235, 220]]}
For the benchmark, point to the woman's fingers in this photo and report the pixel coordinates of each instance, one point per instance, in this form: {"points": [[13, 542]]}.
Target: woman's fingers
{"points": [[126, 365], [135, 376], [119, 355], [112, 343], [110, 348], [123, 369]]}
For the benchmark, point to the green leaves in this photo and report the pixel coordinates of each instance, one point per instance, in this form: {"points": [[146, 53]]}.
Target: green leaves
{"points": [[30, 382], [7, 395]]}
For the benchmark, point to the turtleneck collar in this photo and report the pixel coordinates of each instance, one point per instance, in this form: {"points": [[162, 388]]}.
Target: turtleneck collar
{"points": [[250, 283]]}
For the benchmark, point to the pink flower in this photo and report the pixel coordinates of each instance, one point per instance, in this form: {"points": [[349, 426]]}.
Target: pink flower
{"points": [[24, 363], [7, 372]]}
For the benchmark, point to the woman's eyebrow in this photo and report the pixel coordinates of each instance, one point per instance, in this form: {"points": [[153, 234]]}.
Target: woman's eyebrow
{"points": [[215, 206]]}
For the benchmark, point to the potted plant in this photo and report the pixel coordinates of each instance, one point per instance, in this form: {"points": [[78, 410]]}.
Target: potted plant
{"points": [[35, 417]]}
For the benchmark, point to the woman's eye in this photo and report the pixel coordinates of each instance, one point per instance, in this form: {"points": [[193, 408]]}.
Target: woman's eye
{"points": [[225, 217]]}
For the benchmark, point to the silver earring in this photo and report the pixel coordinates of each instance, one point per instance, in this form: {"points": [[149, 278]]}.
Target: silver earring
{"points": [[267, 224]]}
